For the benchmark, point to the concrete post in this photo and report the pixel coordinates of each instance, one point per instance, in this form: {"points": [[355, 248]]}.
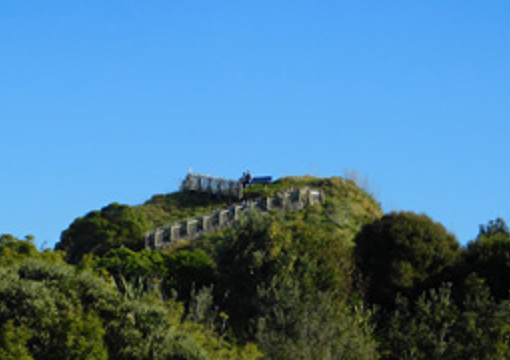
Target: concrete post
{"points": [[285, 201], [206, 222], [148, 240], [191, 227], [315, 197], [252, 204], [175, 232], [191, 183], [268, 203], [223, 217], [237, 212], [158, 237]]}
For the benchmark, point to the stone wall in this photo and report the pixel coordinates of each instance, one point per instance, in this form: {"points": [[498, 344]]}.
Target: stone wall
{"points": [[213, 185], [193, 228]]}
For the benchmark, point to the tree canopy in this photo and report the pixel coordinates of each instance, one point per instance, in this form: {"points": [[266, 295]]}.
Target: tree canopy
{"points": [[489, 257], [337, 280], [99, 231], [403, 252]]}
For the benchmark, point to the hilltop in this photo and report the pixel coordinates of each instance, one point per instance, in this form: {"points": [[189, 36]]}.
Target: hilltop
{"points": [[345, 205], [239, 270], [289, 269], [342, 197]]}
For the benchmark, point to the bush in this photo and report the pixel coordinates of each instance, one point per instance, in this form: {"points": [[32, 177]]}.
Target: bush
{"points": [[489, 257], [99, 231], [403, 252]]}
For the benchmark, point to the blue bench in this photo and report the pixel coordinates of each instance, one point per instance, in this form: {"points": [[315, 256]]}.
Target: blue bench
{"points": [[261, 180]]}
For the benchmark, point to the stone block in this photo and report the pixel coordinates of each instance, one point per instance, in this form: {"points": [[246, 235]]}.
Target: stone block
{"points": [[237, 210], [149, 240], [191, 227], [175, 232], [268, 203], [158, 237], [223, 217], [286, 203], [207, 222], [314, 197]]}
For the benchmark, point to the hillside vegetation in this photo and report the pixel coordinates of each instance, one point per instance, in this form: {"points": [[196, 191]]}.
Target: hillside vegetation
{"points": [[336, 280], [343, 199]]}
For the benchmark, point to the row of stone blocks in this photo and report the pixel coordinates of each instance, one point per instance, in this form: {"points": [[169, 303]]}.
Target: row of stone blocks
{"points": [[213, 185], [189, 229]]}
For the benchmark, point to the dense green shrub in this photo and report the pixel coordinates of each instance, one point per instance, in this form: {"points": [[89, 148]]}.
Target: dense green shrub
{"points": [[286, 284], [489, 257], [436, 327], [143, 269], [51, 310], [403, 252], [189, 270], [99, 231]]}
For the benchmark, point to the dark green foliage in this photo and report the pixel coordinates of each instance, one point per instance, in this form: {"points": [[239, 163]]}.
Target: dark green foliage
{"points": [[489, 257], [403, 252], [425, 331], [286, 285], [295, 324], [242, 267], [99, 231], [142, 330], [13, 340], [279, 282], [40, 297], [126, 266], [202, 310], [494, 228], [435, 327], [52, 310], [482, 330], [13, 250], [188, 270]]}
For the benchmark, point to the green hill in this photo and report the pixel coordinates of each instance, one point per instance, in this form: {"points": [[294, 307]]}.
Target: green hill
{"points": [[345, 203], [346, 206], [274, 282]]}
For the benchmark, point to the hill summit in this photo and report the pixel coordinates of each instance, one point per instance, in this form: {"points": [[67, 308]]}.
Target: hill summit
{"points": [[343, 204]]}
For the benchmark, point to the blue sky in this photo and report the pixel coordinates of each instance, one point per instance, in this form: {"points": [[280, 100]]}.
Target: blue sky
{"points": [[104, 101]]}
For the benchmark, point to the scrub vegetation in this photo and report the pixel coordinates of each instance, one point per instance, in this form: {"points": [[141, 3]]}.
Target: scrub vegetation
{"points": [[338, 280]]}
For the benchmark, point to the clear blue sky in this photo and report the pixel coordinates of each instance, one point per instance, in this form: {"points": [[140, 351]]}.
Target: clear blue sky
{"points": [[104, 101]]}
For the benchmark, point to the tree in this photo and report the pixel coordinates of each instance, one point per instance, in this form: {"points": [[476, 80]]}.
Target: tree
{"points": [[489, 257], [425, 330], [51, 310], [189, 270], [13, 340], [99, 231], [436, 326], [482, 331], [294, 323], [495, 227], [145, 268], [403, 252], [287, 285], [42, 297]]}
